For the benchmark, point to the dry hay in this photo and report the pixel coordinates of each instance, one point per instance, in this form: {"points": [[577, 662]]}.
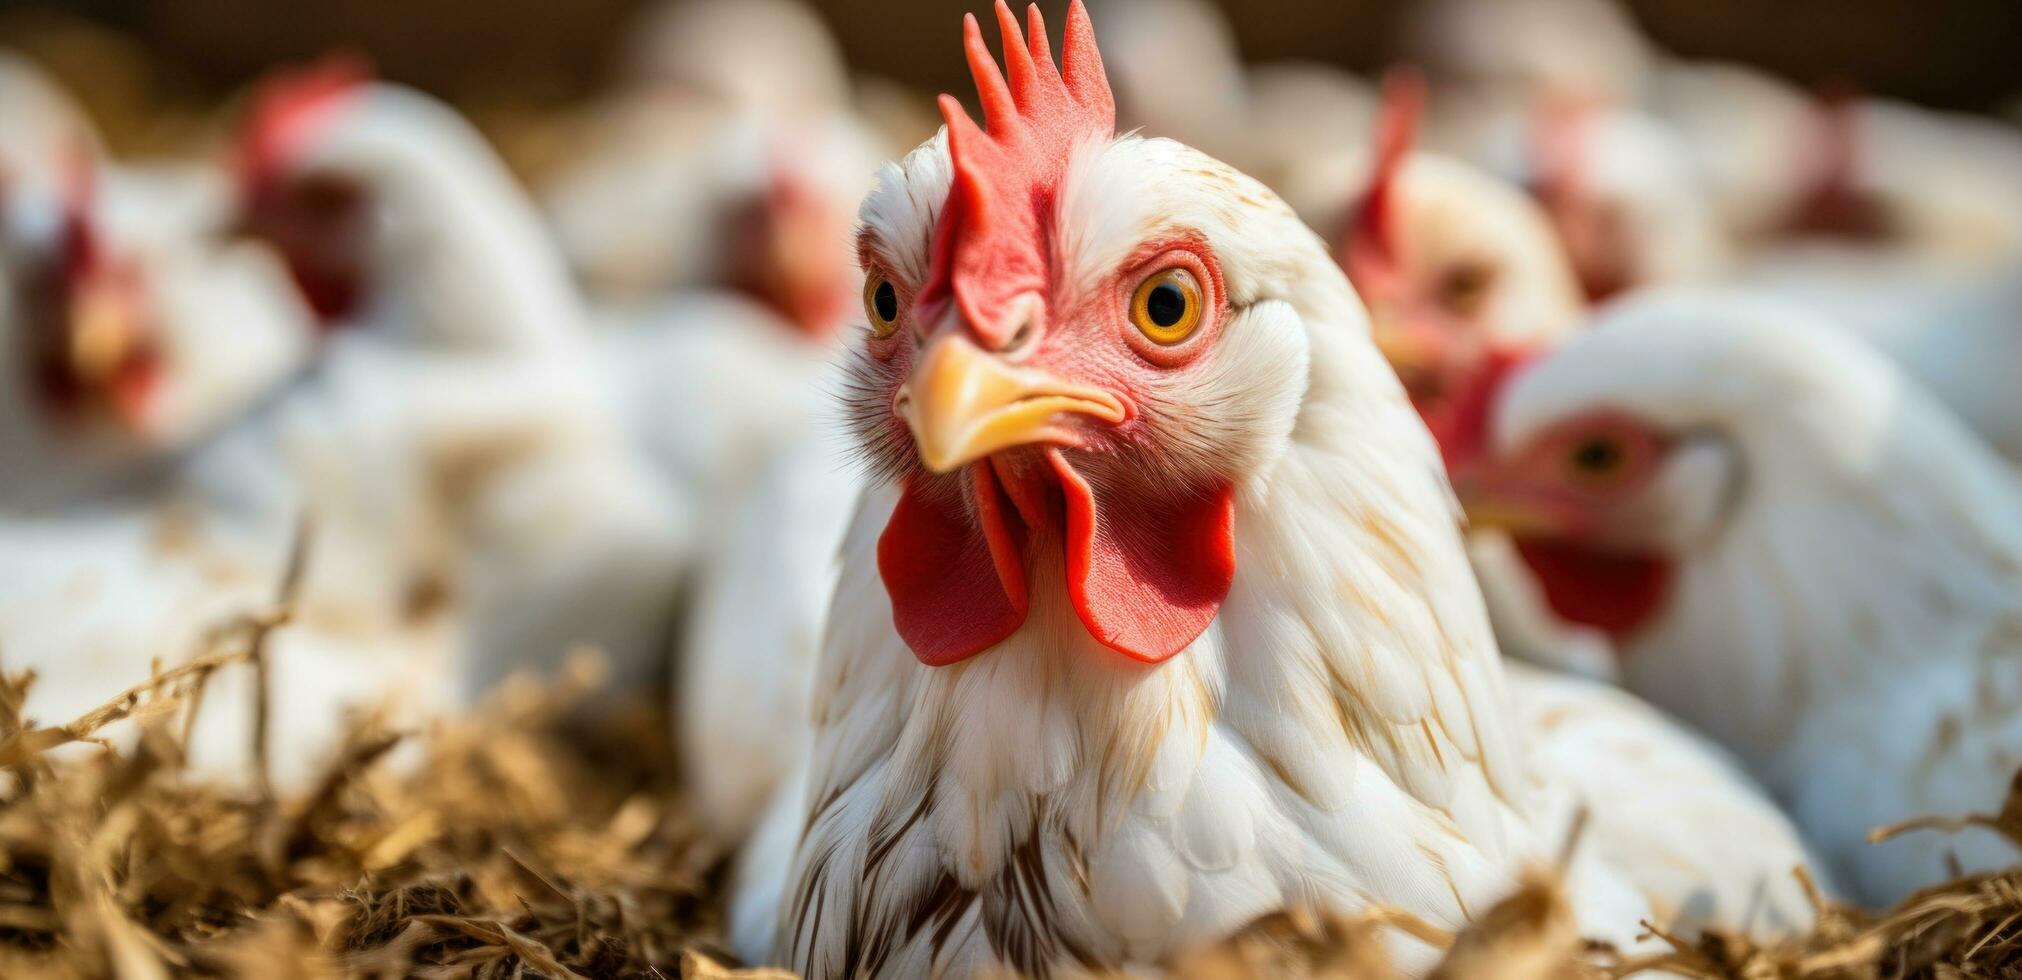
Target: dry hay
{"points": [[521, 846]]}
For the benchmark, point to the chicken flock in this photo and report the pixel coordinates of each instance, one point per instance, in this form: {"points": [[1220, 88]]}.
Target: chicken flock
{"points": [[1186, 488]]}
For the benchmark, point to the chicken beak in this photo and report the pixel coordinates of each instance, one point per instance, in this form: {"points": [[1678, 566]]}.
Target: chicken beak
{"points": [[102, 336], [1518, 506], [108, 352], [964, 404], [1404, 348]]}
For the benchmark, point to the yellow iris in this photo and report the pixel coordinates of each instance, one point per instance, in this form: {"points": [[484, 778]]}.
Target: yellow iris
{"points": [[1167, 306]]}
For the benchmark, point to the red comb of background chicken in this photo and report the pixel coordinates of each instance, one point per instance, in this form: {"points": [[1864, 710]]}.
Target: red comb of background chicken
{"points": [[283, 108], [1370, 238], [990, 247]]}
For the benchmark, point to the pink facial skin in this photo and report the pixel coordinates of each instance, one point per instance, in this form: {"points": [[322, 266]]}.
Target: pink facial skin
{"points": [[1570, 499]]}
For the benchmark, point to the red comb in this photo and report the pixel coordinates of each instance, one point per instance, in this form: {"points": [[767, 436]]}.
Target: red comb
{"points": [[1372, 228], [990, 247], [277, 123]]}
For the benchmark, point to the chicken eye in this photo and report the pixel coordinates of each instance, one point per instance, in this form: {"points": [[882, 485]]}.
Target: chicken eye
{"points": [[1466, 287], [1167, 306], [1597, 459], [881, 305]]}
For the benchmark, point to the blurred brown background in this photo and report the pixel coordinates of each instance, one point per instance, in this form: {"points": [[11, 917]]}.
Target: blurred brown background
{"points": [[1957, 53]]}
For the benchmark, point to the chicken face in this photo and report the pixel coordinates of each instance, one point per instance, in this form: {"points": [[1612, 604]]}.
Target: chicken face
{"points": [[316, 217], [1621, 459], [784, 250], [1073, 358], [1463, 276], [1825, 529], [94, 353], [1579, 499], [1628, 211]]}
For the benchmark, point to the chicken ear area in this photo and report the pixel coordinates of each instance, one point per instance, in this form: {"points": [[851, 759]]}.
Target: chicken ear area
{"points": [[1146, 577]]}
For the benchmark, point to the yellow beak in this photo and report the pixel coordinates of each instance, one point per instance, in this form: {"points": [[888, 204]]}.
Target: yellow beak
{"points": [[101, 335], [1515, 508], [964, 404], [1406, 349]]}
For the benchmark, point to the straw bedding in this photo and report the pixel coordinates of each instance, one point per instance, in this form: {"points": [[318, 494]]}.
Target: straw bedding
{"points": [[514, 842]]}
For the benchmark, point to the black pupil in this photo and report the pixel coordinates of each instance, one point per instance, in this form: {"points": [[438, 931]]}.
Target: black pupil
{"points": [[1597, 456], [1166, 305], [885, 300]]}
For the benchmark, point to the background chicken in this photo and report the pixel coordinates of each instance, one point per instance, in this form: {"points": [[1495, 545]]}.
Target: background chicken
{"points": [[1099, 758], [1629, 209], [1797, 550], [463, 361], [127, 338], [593, 344], [730, 157]]}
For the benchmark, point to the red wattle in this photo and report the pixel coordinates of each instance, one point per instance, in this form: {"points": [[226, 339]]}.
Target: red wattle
{"points": [[333, 298], [957, 585], [1613, 592], [1148, 578]]}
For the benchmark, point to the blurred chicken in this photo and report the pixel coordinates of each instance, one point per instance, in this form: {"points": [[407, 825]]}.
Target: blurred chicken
{"points": [[1907, 228], [1461, 273], [127, 334], [1796, 549], [1178, 74], [395, 216], [1587, 51], [132, 358], [1629, 209], [744, 688], [1739, 128], [730, 157], [460, 362], [43, 124], [775, 56], [1111, 743], [713, 214], [688, 196]]}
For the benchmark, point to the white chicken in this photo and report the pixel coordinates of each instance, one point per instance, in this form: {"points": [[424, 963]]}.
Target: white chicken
{"points": [[461, 365], [755, 625], [1157, 618], [775, 56], [1797, 550], [124, 337], [394, 213], [729, 158], [1905, 226], [43, 124], [1588, 51], [1460, 270], [1630, 210], [1741, 130], [1178, 74], [116, 554]]}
